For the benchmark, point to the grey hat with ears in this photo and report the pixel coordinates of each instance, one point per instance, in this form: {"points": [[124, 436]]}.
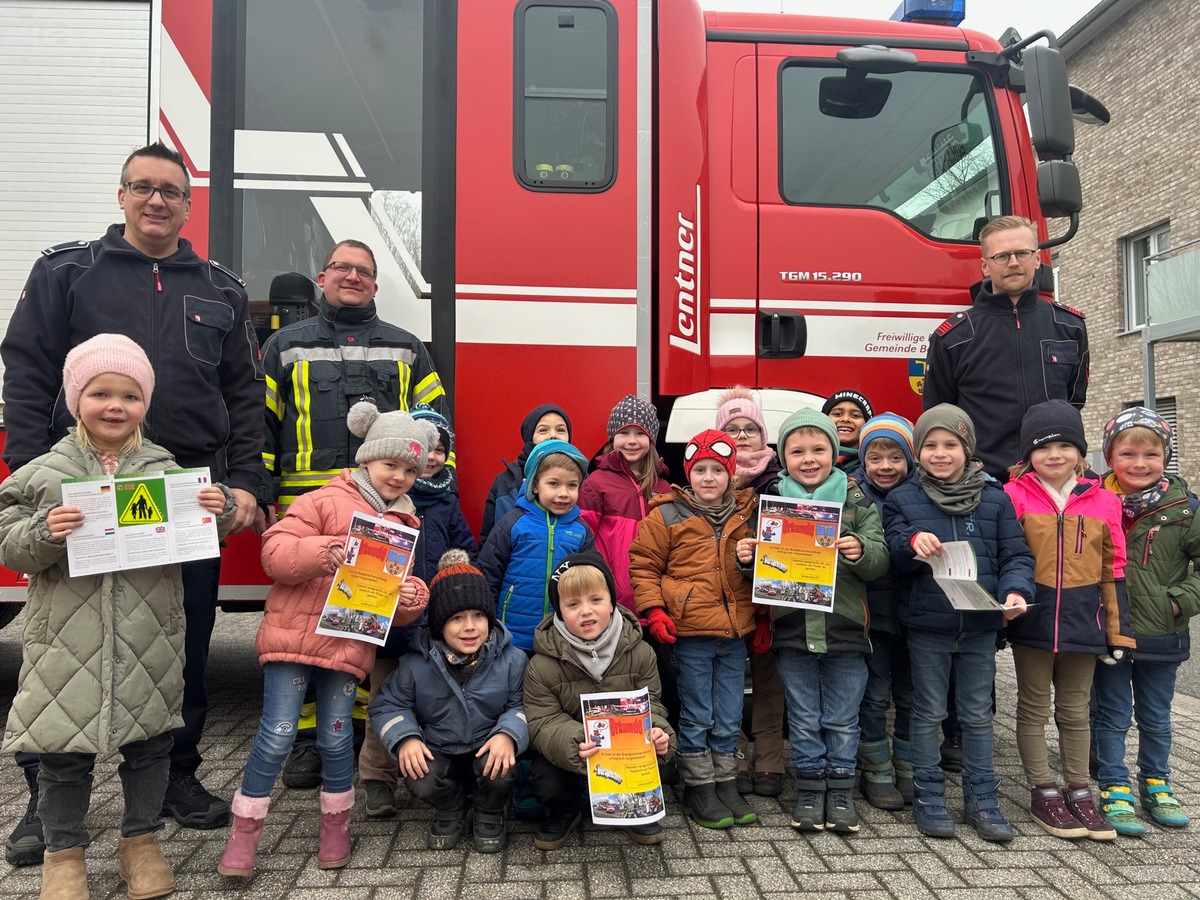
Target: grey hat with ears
{"points": [[391, 435]]}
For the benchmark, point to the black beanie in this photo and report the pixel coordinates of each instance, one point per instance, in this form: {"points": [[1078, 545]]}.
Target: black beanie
{"points": [[584, 558], [1054, 420], [854, 397], [529, 423], [457, 587]]}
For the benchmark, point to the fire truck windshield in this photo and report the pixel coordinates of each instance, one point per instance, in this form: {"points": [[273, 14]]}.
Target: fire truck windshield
{"points": [[928, 155]]}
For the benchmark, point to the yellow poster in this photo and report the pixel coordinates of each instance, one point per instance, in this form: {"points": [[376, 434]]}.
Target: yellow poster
{"points": [[795, 562], [623, 782]]}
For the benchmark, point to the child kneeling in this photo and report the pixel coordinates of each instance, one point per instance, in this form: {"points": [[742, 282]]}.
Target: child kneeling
{"points": [[589, 645], [463, 727]]}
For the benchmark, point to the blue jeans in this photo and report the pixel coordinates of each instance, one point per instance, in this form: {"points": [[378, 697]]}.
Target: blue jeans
{"points": [[824, 691], [973, 655], [712, 683], [284, 684], [889, 680], [1133, 689]]}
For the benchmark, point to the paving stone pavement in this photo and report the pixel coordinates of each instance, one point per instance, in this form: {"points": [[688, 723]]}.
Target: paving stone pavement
{"points": [[886, 860]]}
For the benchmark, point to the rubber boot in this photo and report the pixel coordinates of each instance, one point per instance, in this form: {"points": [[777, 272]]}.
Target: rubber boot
{"points": [[700, 801], [902, 762], [249, 814], [929, 804], [334, 851], [64, 875], [143, 867], [840, 814], [981, 801], [25, 846], [878, 788], [725, 767], [809, 812]]}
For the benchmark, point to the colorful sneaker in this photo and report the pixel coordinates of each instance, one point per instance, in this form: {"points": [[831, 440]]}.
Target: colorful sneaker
{"points": [[1116, 805], [1082, 807], [1158, 800]]}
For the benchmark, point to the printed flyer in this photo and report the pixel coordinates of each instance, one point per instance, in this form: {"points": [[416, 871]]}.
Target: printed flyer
{"points": [[134, 521], [955, 572], [624, 787], [796, 563], [366, 587]]}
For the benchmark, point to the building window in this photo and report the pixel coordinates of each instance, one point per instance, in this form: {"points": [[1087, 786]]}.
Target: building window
{"points": [[566, 96], [1139, 250]]}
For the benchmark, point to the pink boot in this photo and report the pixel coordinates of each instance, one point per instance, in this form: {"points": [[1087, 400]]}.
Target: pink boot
{"points": [[249, 814], [335, 829]]}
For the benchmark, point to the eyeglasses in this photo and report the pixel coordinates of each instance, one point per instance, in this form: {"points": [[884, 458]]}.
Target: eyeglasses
{"points": [[1001, 259], [748, 430], [144, 191], [344, 268]]}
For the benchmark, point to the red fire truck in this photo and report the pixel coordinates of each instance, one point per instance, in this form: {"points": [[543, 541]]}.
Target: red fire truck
{"points": [[573, 201]]}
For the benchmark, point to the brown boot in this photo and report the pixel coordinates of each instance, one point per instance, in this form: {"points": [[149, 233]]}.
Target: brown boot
{"points": [[143, 867], [64, 876]]}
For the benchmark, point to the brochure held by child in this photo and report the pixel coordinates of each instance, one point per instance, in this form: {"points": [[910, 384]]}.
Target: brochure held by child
{"points": [[956, 572], [366, 587], [624, 787], [795, 560]]}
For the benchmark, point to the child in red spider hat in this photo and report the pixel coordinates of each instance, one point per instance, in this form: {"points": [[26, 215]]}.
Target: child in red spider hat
{"points": [[688, 585]]}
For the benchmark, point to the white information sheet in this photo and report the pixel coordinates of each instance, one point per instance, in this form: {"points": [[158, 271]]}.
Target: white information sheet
{"points": [[956, 572]]}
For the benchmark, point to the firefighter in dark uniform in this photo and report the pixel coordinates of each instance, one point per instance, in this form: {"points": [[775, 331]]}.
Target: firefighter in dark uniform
{"points": [[1010, 350]]}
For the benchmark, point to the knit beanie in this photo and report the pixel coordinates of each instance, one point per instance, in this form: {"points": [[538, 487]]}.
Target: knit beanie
{"points": [[583, 558], [106, 353], [805, 417], [632, 411], [949, 417], [529, 423], [457, 587], [423, 412], [854, 397], [1054, 420], [540, 452], [710, 444], [887, 425], [1137, 416], [738, 403], [392, 435]]}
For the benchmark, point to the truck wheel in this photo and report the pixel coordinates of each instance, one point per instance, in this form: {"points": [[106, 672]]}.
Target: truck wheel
{"points": [[9, 611]]}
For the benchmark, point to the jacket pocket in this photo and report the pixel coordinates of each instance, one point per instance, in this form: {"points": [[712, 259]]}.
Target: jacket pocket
{"points": [[677, 594], [1059, 359], [206, 323]]}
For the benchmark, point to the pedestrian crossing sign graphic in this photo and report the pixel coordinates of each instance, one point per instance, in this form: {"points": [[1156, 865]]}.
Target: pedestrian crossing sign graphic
{"points": [[139, 506]]}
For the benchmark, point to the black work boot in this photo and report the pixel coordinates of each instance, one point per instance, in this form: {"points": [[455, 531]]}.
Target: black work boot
{"points": [[303, 767], [25, 846], [189, 804], [725, 767], [700, 800]]}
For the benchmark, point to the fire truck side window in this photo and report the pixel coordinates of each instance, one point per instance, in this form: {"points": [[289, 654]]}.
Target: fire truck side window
{"points": [[922, 149], [566, 90]]}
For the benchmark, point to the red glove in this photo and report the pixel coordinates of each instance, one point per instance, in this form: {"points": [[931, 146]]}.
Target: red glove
{"points": [[662, 629], [762, 635]]}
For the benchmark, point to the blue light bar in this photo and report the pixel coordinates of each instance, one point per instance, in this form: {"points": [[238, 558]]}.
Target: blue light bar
{"points": [[931, 12]]}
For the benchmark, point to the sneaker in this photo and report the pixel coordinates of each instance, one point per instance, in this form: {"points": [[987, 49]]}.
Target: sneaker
{"points": [[840, 814], [25, 846], [768, 784], [381, 799], [303, 767], [1116, 805], [489, 833], [1082, 807], [556, 828], [1159, 800], [1049, 810], [745, 783], [650, 833], [189, 804], [446, 829]]}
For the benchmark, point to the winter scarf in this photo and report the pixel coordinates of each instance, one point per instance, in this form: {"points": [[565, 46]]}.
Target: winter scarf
{"points": [[1136, 504], [960, 497], [595, 656], [831, 490]]}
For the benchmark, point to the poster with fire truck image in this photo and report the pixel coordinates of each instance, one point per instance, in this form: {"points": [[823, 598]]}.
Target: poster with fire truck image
{"points": [[624, 787], [366, 587], [795, 561]]}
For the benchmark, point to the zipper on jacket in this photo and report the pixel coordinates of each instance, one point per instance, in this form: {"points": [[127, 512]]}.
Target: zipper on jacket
{"points": [[1079, 537], [1149, 549], [157, 280], [1017, 318], [504, 608], [1058, 579], [549, 564]]}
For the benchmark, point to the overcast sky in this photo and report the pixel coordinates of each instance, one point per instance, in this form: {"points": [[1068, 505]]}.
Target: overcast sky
{"points": [[989, 16]]}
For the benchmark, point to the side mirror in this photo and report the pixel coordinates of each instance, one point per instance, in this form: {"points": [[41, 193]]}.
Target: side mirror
{"points": [[1049, 103], [1059, 192], [1086, 109]]}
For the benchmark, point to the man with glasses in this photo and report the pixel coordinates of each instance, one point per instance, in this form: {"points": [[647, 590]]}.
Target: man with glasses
{"points": [[1010, 350], [191, 317]]}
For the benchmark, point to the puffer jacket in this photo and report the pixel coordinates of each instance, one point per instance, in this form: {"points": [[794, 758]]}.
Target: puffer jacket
{"points": [[679, 562], [846, 629], [883, 593], [502, 496], [555, 680], [103, 654], [1004, 563], [1079, 575], [519, 557], [453, 718], [612, 504], [295, 553], [1163, 547]]}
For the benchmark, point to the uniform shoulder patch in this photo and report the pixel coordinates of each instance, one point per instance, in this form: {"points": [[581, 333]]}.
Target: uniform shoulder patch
{"points": [[69, 245], [220, 268], [1070, 309], [951, 323]]}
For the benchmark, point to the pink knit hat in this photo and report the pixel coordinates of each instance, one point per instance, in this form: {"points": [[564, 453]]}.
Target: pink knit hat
{"points": [[105, 353], [738, 403]]}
